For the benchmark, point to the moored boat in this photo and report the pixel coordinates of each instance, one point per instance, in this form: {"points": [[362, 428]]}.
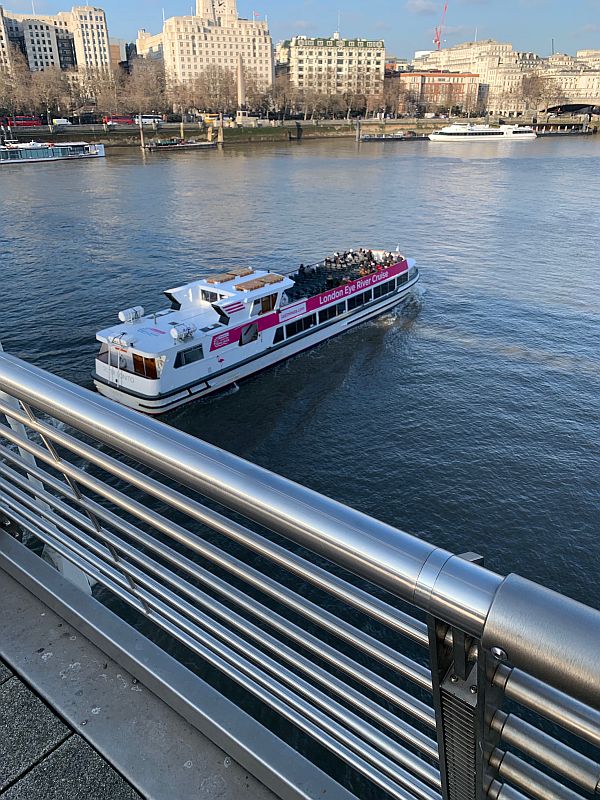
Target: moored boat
{"points": [[224, 327], [178, 144], [458, 132], [408, 136], [12, 152]]}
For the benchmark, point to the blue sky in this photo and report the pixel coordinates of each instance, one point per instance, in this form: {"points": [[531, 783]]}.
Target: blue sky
{"points": [[406, 25]]}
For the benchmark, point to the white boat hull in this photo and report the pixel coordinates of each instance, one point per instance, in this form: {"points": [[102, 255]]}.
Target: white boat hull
{"points": [[524, 137], [209, 384]]}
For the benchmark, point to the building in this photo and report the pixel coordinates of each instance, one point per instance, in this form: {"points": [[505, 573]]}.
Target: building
{"points": [[67, 40], [4, 41], [215, 35], [590, 58], [503, 72], [334, 65], [118, 51], [437, 90]]}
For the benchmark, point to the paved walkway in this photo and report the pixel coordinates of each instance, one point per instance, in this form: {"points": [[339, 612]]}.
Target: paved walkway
{"points": [[42, 758]]}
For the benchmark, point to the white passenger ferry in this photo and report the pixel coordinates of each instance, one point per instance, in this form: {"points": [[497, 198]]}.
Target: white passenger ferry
{"points": [[12, 152], [483, 133], [224, 327]]}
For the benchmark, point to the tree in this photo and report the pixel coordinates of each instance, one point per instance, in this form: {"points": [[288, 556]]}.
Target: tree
{"points": [[215, 89], [15, 84], [144, 88], [50, 92], [540, 91]]}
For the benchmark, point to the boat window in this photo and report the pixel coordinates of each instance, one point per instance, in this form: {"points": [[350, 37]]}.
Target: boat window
{"points": [[175, 304], [210, 297], [189, 356], [278, 335], [256, 308], [355, 301], [146, 367], [103, 353], [402, 278], [367, 296], [150, 366], [249, 334], [300, 325], [326, 313], [384, 288], [268, 303]]}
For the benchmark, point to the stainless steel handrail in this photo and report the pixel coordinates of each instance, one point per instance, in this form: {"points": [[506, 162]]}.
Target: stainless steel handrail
{"points": [[334, 680], [462, 593]]}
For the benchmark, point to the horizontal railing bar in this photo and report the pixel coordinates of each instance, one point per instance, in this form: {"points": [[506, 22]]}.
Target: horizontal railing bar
{"points": [[230, 642], [556, 706], [265, 693], [532, 780], [358, 672], [381, 652], [548, 751], [385, 718], [394, 618], [501, 791], [386, 556]]}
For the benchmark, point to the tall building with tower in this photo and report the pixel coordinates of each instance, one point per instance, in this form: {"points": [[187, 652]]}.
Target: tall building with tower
{"points": [[214, 36]]}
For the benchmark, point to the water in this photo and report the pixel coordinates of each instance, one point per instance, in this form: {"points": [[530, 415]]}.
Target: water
{"points": [[470, 418]]}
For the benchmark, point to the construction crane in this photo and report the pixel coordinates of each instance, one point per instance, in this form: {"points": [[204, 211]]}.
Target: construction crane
{"points": [[437, 39]]}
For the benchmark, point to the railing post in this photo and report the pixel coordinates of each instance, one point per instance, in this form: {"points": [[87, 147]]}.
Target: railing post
{"points": [[458, 698]]}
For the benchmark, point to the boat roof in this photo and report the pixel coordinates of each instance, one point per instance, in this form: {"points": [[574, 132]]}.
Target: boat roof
{"points": [[12, 144], [236, 289]]}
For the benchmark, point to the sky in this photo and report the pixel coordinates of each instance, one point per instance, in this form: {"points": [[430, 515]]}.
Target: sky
{"points": [[405, 25]]}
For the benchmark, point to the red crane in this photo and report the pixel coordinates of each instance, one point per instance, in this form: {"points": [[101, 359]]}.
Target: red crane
{"points": [[437, 38]]}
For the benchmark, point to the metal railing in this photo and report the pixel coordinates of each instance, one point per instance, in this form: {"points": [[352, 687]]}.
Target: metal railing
{"points": [[394, 667]]}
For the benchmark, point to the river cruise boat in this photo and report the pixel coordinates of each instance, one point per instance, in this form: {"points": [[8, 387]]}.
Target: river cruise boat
{"points": [[12, 152], [226, 326], [483, 133]]}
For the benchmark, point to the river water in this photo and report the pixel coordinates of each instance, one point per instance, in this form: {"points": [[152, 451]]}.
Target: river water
{"points": [[470, 418]]}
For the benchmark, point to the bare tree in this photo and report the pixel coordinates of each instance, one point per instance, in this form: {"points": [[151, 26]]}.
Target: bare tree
{"points": [[50, 92], [540, 91], [283, 96], [215, 89], [144, 88], [16, 85]]}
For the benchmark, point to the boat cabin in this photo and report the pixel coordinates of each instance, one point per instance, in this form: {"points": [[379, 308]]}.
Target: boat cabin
{"points": [[182, 334]]}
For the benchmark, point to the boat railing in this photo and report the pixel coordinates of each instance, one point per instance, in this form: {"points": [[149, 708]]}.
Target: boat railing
{"points": [[325, 650]]}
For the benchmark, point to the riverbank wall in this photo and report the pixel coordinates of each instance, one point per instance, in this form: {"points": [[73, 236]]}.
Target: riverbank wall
{"points": [[290, 131]]}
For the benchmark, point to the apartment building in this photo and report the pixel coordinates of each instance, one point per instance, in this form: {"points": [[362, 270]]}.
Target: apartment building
{"points": [[67, 40], [214, 35], [502, 71], [334, 65], [434, 90]]}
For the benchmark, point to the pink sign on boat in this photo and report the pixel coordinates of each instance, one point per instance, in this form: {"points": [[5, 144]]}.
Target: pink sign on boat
{"points": [[249, 329]]}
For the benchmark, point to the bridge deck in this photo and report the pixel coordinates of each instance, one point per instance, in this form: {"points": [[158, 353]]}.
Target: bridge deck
{"points": [[73, 723]]}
